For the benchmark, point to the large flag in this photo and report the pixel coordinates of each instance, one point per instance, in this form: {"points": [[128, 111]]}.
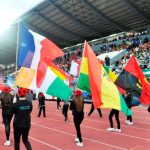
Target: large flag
{"points": [[111, 74], [61, 73], [133, 80], [31, 43], [113, 77], [51, 84], [94, 79], [33, 50]]}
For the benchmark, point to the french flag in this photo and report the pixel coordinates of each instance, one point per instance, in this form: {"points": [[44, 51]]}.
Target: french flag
{"points": [[36, 52]]}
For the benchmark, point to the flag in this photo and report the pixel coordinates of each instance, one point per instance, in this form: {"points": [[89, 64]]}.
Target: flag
{"points": [[111, 74], [33, 50], [132, 80], [113, 77], [31, 43], [51, 84], [61, 73], [95, 80]]}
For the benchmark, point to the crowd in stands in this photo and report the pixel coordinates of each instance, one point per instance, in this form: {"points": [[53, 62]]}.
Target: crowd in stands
{"points": [[132, 43]]}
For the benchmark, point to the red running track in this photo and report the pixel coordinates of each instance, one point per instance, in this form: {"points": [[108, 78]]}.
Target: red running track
{"points": [[52, 133]]}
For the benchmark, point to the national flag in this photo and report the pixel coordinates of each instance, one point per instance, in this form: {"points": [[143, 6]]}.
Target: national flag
{"points": [[51, 84], [95, 80], [132, 80], [111, 74], [61, 73], [32, 45], [113, 77], [34, 49]]}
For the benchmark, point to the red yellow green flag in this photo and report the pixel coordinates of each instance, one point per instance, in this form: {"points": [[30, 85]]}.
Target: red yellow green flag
{"points": [[94, 79]]}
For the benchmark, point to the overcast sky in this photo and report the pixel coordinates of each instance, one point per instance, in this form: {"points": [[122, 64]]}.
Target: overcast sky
{"points": [[12, 9]]}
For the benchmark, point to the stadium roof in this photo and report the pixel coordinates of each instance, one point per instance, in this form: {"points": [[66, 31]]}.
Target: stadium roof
{"points": [[69, 22]]}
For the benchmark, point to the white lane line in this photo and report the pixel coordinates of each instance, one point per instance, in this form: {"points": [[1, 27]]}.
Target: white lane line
{"points": [[122, 134], [95, 141], [39, 141], [101, 121]]}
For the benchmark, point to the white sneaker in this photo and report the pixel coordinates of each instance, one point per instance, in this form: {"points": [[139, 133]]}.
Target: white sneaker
{"points": [[126, 121], [130, 123], [110, 129], [76, 139], [117, 130], [7, 143], [80, 144]]}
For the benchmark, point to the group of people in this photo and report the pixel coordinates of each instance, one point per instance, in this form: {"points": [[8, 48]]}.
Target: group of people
{"points": [[22, 108], [21, 111]]}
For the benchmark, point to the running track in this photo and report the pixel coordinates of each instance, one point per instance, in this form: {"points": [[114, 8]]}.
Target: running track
{"points": [[52, 133]]}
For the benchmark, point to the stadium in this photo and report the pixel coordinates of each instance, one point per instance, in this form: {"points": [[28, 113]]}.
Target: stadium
{"points": [[62, 59]]}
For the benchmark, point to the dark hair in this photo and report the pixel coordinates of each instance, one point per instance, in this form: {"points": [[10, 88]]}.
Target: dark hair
{"points": [[7, 99]]}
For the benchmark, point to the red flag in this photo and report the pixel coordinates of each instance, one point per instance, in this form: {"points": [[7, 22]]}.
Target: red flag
{"points": [[94, 75], [135, 73]]}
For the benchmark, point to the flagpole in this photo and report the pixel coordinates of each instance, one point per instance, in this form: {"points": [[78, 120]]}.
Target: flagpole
{"points": [[17, 45]]}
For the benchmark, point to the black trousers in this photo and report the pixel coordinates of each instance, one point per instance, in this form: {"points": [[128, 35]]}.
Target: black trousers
{"points": [[17, 134], [58, 104], [65, 111], [92, 109], [148, 109], [77, 122], [40, 110], [7, 120], [129, 117], [116, 113]]}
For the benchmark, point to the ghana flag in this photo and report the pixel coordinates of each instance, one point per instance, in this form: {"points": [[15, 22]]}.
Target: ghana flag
{"points": [[94, 79], [132, 80]]}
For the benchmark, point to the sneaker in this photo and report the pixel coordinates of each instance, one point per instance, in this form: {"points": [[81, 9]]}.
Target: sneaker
{"points": [[130, 123], [76, 139], [117, 130], [80, 144], [126, 121], [7, 143], [110, 129]]}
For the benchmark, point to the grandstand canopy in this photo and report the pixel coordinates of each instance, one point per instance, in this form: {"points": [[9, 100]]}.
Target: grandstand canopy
{"points": [[69, 22]]}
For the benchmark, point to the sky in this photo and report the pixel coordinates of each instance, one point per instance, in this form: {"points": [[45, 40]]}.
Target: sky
{"points": [[10, 10]]}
